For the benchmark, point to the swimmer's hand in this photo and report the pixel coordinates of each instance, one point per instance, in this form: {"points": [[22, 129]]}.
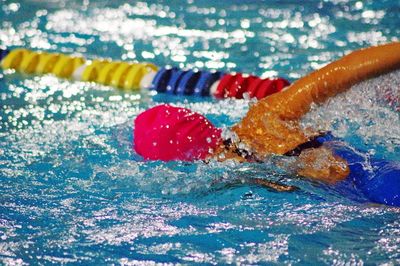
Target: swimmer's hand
{"points": [[321, 164], [276, 186], [268, 184]]}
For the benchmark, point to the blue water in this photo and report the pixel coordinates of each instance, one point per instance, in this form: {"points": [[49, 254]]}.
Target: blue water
{"points": [[72, 190]]}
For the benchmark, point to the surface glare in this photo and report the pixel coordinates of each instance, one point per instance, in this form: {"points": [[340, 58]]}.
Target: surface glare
{"points": [[72, 190]]}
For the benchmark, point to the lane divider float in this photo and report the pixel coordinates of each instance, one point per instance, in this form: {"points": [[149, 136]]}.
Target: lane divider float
{"points": [[135, 76]]}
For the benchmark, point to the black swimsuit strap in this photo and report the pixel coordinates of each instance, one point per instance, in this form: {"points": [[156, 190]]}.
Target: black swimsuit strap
{"points": [[312, 143]]}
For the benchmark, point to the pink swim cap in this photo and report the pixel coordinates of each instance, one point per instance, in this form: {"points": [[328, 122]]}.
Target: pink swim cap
{"points": [[170, 133]]}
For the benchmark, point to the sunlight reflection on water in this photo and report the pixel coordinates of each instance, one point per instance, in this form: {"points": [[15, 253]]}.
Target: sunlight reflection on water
{"points": [[73, 190]]}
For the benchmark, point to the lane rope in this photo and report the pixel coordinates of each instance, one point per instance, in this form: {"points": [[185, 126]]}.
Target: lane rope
{"points": [[134, 76]]}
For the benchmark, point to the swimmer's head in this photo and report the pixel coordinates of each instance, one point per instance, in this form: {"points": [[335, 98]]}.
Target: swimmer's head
{"points": [[170, 133]]}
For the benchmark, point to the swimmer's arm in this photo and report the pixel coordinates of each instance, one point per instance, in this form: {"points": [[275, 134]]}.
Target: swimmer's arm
{"points": [[270, 184], [321, 164], [334, 78], [272, 125]]}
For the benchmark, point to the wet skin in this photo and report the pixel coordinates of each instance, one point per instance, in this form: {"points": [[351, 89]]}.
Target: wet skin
{"points": [[272, 125]]}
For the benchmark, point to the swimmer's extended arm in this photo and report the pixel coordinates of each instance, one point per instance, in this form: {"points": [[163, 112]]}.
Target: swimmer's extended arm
{"points": [[261, 182], [272, 126], [334, 78], [276, 186]]}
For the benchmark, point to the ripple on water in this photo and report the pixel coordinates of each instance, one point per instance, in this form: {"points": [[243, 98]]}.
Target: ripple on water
{"points": [[72, 190]]}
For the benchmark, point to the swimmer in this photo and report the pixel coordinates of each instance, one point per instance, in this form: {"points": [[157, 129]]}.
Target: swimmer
{"points": [[272, 126]]}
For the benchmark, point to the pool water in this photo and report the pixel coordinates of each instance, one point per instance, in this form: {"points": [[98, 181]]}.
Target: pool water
{"points": [[72, 190]]}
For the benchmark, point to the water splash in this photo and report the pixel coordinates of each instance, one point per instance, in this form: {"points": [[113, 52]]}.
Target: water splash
{"points": [[366, 116]]}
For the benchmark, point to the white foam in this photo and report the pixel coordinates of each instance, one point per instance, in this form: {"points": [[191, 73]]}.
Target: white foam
{"points": [[367, 111]]}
